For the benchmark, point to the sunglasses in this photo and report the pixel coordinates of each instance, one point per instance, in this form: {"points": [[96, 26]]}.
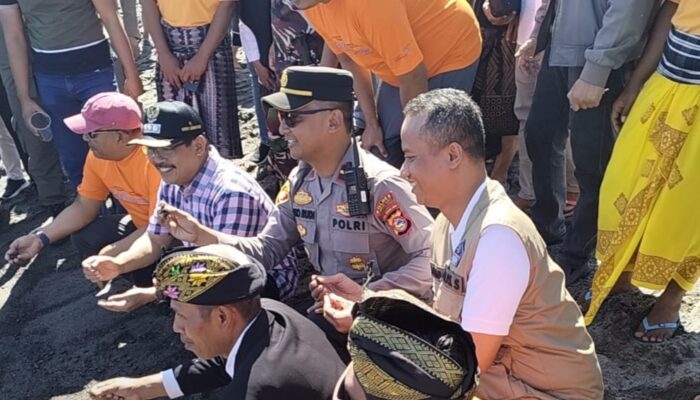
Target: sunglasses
{"points": [[291, 118], [94, 134], [164, 152]]}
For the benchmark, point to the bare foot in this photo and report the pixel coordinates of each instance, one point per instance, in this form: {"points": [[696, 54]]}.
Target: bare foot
{"points": [[665, 310], [624, 284]]}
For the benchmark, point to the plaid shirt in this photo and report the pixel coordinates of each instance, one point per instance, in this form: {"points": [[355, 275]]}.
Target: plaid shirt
{"points": [[227, 199]]}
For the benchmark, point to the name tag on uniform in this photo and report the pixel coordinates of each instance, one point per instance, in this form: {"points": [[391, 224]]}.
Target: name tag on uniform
{"points": [[347, 224]]}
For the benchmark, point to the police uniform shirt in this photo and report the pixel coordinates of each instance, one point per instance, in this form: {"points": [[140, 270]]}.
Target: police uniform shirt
{"points": [[394, 240]]}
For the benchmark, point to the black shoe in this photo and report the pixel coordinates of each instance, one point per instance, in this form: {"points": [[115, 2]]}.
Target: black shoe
{"points": [[14, 187], [261, 154]]}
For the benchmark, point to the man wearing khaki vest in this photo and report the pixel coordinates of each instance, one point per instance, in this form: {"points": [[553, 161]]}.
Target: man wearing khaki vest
{"points": [[491, 268]]}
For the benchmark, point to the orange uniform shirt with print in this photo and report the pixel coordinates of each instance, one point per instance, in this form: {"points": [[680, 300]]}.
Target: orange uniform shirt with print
{"points": [[687, 16], [134, 181], [392, 37], [188, 13]]}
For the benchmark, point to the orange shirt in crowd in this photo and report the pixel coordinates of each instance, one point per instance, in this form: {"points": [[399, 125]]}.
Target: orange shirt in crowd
{"points": [[133, 181], [187, 13], [392, 37]]}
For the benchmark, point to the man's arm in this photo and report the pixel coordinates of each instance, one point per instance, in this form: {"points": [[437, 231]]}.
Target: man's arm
{"points": [[123, 244], [625, 24], [146, 387], [373, 135], [273, 243], [400, 216], [219, 27], [13, 30], [145, 251], [495, 286], [75, 217], [413, 83], [107, 9]]}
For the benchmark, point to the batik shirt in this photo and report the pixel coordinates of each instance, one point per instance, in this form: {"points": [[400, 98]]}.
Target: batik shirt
{"points": [[296, 42]]}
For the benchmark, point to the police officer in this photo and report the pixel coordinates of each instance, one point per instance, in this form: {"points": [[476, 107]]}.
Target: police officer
{"points": [[391, 239], [382, 232]]}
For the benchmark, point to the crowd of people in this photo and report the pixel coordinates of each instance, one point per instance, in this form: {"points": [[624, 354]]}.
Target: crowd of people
{"points": [[391, 128]]}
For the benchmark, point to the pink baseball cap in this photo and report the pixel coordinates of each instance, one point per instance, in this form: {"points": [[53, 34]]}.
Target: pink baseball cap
{"points": [[108, 110]]}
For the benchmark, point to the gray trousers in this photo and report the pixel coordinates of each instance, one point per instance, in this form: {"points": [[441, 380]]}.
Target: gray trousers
{"points": [[44, 167], [9, 155], [390, 110]]}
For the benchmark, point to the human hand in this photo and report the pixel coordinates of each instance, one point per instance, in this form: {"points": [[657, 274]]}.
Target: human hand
{"points": [[101, 268], [170, 68], [374, 137], [584, 96], [119, 388], [194, 68], [528, 61], [504, 20], [622, 106], [133, 87], [338, 312], [23, 249], [338, 284], [129, 300], [265, 76], [181, 225], [29, 108]]}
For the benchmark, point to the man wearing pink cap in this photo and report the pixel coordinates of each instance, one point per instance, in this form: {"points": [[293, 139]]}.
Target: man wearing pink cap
{"points": [[108, 121]]}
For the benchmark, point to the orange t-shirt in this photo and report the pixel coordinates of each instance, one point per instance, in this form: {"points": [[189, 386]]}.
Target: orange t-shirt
{"points": [[133, 181], [392, 37]]}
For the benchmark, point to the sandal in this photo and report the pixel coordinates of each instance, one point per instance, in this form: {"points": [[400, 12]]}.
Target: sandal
{"points": [[646, 327]]}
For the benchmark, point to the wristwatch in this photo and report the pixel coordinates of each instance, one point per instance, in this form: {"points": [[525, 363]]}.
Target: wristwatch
{"points": [[45, 241]]}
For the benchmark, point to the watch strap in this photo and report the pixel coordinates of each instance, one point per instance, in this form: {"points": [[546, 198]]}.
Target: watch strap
{"points": [[45, 241]]}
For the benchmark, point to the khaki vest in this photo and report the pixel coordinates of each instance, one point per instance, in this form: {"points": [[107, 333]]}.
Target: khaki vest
{"points": [[548, 348]]}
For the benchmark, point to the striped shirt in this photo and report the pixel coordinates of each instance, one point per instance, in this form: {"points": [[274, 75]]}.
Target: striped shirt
{"points": [[681, 59], [226, 199]]}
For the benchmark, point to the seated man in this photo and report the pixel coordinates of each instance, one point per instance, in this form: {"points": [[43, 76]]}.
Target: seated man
{"points": [[394, 344], [259, 349], [389, 240], [492, 271], [107, 123], [197, 180]]}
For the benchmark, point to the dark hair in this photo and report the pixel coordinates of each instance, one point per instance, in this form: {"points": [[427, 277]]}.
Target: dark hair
{"points": [[451, 117], [345, 107], [247, 308]]}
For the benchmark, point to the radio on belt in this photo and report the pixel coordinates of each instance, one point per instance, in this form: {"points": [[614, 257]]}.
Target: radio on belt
{"points": [[356, 184]]}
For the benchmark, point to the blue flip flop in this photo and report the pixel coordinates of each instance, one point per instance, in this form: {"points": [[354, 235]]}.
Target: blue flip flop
{"points": [[662, 325]]}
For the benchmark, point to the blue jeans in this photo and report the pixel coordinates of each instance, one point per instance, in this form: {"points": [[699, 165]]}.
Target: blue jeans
{"points": [[62, 96], [390, 110], [259, 112]]}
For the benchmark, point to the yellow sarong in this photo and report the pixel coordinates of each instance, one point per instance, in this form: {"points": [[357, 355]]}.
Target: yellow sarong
{"points": [[649, 215]]}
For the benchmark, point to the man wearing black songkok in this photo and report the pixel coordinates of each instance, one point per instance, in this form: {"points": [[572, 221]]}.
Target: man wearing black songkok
{"points": [[259, 349]]}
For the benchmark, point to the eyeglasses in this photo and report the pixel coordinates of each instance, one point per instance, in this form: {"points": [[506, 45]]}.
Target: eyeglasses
{"points": [[291, 118], [164, 152], [94, 134]]}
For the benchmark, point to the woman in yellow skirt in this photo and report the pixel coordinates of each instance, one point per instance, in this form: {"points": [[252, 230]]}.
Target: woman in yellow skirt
{"points": [[648, 234]]}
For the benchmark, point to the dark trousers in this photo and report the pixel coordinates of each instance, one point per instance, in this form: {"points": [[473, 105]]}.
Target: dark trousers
{"points": [[105, 230], [592, 139], [338, 340]]}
